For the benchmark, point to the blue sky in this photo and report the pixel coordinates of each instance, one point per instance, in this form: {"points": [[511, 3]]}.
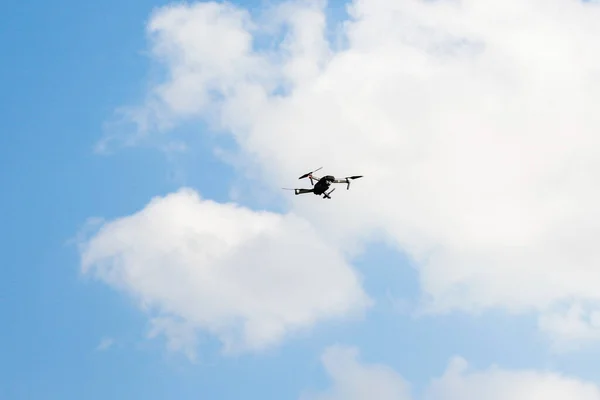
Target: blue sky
{"points": [[66, 68]]}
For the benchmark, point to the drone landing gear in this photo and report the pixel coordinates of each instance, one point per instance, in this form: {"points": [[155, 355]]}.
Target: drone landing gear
{"points": [[326, 195]]}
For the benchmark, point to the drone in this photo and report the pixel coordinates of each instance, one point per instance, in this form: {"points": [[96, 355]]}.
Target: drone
{"points": [[323, 184]]}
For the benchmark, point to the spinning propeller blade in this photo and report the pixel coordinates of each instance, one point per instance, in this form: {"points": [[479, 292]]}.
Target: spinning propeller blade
{"points": [[309, 173], [351, 177]]}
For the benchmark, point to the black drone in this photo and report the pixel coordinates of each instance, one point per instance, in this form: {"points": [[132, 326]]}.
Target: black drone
{"points": [[322, 185]]}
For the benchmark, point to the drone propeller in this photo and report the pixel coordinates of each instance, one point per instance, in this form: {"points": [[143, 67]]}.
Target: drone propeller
{"points": [[309, 175], [351, 177]]}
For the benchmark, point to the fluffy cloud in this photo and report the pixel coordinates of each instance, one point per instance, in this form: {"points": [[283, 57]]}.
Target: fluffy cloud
{"points": [[572, 327], [353, 379], [458, 382], [473, 122], [250, 278]]}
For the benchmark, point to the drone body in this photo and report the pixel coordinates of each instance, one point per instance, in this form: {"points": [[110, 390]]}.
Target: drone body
{"points": [[320, 188]]}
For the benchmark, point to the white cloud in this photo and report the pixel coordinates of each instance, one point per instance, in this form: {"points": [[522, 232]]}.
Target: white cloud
{"points": [[181, 335], [250, 278], [571, 328], [473, 122], [459, 383], [354, 379]]}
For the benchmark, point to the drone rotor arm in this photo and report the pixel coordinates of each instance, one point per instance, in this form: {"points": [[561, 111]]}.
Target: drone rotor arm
{"points": [[313, 178], [300, 191], [347, 179]]}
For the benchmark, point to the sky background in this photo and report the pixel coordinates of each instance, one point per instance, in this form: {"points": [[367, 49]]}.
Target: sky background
{"points": [[67, 68]]}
